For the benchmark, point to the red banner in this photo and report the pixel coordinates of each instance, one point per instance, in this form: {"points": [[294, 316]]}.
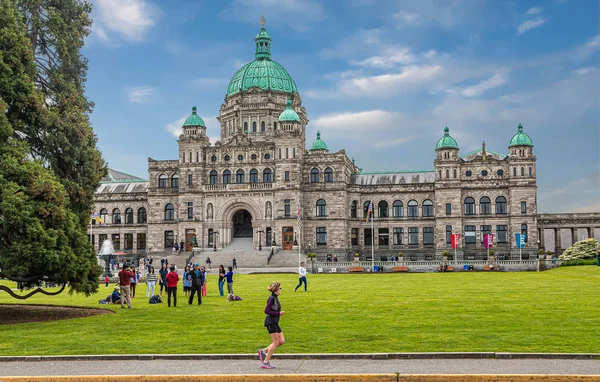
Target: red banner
{"points": [[455, 239]]}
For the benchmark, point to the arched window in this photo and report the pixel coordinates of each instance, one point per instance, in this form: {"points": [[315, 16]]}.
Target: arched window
{"points": [[328, 175], [522, 171], [382, 209], [447, 173], [253, 176], [500, 205], [524, 231], [530, 171], [440, 174], [245, 127], [128, 215], [413, 209], [485, 206], [254, 127], [398, 209], [321, 207], [169, 212], [365, 208], [469, 206], [239, 176], [175, 181], [274, 125], [353, 206], [514, 171], [226, 177], [454, 173], [314, 175], [142, 215], [116, 216], [262, 126], [427, 208], [104, 215], [214, 175], [267, 176], [162, 181]]}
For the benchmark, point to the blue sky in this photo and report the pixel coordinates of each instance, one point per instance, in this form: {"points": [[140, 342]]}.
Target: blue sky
{"points": [[380, 79]]}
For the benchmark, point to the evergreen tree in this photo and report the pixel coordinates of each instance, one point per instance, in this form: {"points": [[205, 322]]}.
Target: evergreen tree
{"points": [[42, 237]]}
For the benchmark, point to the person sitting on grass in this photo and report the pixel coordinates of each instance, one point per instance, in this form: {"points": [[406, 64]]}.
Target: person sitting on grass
{"points": [[115, 297]]}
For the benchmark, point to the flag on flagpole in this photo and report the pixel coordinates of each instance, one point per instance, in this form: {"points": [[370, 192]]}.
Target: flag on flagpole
{"points": [[370, 210], [97, 218], [454, 240]]}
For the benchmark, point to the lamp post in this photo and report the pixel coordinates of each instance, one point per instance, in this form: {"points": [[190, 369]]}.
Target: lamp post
{"points": [[215, 233], [259, 231]]}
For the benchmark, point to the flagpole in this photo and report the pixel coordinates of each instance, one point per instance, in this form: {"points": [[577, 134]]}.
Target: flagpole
{"points": [[372, 242], [455, 245]]}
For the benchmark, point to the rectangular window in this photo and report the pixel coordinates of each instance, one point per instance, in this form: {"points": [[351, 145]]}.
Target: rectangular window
{"points": [[523, 207], [524, 231], [211, 237], [101, 238], [484, 229], [398, 236], [280, 153], [169, 239], [321, 236], [448, 209], [268, 234], [190, 157], [294, 152], [287, 176], [141, 241], [128, 241], [190, 210], [428, 236], [183, 157], [116, 239], [189, 179], [384, 236], [197, 156], [354, 237], [413, 236], [448, 234], [287, 153], [470, 234], [501, 234], [286, 208], [368, 237]]}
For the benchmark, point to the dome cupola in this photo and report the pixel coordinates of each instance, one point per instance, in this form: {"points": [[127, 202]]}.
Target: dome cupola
{"points": [[289, 115], [194, 120], [446, 142], [318, 144], [520, 138]]}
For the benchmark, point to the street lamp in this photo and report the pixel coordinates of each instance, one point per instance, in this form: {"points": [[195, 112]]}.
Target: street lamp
{"points": [[215, 233], [259, 242]]}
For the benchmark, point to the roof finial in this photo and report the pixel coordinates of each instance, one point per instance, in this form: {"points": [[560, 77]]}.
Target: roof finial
{"points": [[483, 153], [318, 135], [520, 127], [262, 21], [194, 110], [446, 131]]}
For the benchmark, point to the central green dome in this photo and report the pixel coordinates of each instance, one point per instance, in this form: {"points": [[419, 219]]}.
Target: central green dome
{"points": [[263, 72], [520, 138], [446, 142]]}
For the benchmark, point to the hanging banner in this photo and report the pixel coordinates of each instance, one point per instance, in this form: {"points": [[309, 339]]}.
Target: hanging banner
{"points": [[488, 240], [454, 240], [520, 237]]}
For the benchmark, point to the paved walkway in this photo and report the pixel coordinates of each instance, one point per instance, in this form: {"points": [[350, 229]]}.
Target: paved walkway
{"points": [[300, 367]]}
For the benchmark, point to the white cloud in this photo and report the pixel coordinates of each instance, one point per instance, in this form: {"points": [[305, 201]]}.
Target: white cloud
{"points": [[530, 24], [175, 127], [494, 81], [591, 46], [534, 11], [408, 17], [582, 71], [140, 94], [390, 57], [362, 120], [130, 19], [212, 127], [99, 32]]}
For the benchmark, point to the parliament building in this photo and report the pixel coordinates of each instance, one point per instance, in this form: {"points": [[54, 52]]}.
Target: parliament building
{"points": [[253, 182]]}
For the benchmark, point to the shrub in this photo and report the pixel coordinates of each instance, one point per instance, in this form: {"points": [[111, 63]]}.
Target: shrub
{"points": [[582, 250], [445, 253], [569, 263]]}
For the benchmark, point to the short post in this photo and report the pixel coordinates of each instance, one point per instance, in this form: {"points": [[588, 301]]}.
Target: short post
{"points": [[215, 233], [259, 242]]}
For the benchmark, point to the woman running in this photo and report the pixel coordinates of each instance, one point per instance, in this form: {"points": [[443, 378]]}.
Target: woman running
{"points": [[273, 312]]}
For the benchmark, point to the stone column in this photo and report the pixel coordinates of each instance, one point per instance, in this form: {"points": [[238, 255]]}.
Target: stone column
{"points": [[573, 235], [541, 238], [591, 232], [557, 241]]}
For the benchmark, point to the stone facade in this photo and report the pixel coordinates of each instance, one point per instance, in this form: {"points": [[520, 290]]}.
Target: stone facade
{"points": [[261, 166]]}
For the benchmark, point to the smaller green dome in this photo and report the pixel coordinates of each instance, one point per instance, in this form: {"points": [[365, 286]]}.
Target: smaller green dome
{"points": [[194, 119], [318, 144], [520, 138], [446, 142], [289, 115]]}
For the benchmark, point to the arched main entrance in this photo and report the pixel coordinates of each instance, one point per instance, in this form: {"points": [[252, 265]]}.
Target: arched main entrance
{"points": [[242, 224]]}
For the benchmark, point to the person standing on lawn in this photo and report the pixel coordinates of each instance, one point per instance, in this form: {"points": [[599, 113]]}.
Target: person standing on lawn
{"points": [[302, 275], [150, 282], [203, 269], [163, 277], [273, 313], [187, 283], [172, 280], [197, 282], [221, 279], [229, 277], [124, 281], [133, 282]]}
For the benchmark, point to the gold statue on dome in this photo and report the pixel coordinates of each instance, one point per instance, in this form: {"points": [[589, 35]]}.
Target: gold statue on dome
{"points": [[262, 20]]}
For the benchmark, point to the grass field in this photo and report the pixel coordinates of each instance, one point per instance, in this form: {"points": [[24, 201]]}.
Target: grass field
{"points": [[553, 311]]}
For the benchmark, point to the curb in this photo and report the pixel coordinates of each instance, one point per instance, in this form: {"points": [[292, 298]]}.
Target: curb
{"points": [[315, 378], [316, 356]]}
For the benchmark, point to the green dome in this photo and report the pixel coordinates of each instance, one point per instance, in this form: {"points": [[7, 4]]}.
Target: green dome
{"points": [[446, 142], [263, 72], [520, 138], [194, 119], [289, 115], [318, 144]]}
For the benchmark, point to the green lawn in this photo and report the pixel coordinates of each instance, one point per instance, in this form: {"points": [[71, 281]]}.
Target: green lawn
{"points": [[553, 311]]}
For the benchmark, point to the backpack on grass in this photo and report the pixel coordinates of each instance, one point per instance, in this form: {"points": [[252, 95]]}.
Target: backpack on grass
{"points": [[155, 299]]}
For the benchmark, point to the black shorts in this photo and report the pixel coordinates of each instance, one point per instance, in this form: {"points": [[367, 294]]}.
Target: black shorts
{"points": [[186, 288], [273, 328]]}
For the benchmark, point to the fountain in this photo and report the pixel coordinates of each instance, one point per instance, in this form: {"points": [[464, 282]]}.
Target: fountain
{"points": [[107, 252]]}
